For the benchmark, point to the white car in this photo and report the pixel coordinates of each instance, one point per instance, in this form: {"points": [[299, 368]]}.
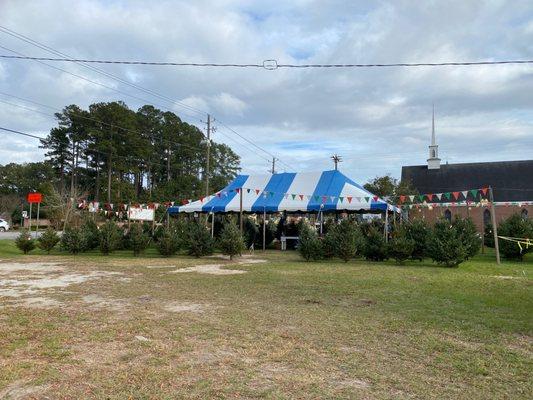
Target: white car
{"points": [[4, 226]]}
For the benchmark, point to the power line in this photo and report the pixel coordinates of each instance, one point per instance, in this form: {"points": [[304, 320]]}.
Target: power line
{"points": [[269, 64], [105, 73]]}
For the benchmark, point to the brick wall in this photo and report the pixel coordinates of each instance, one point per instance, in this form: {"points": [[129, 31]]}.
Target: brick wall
{"points": [[476, 213]]}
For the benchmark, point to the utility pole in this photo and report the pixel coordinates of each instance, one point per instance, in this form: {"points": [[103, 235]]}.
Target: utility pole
{"points": [[273, 171], [208, 155], [336, 159]]}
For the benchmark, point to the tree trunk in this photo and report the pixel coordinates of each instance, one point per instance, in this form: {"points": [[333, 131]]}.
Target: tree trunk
{"points": [[97, 189]]}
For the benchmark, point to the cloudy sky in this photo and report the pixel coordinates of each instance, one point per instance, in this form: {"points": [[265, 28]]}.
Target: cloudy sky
{"points": [[377, 119]]}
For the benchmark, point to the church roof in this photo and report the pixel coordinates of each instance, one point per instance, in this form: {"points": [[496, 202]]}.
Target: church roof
{"points": [[510, 180]]}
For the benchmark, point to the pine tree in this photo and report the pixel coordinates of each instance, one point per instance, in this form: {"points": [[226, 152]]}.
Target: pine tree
{"points": [[445, 245], [401, 247], [110, 237], [25, 242], [138, 240], [309, 244], [48, 240], [231, 241], [199, 240]]}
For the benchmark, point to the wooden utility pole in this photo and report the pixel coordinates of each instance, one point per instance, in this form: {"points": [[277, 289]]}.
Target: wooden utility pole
{"points": [[494, 226], [208, 156], [273, 171], [336, 160]]}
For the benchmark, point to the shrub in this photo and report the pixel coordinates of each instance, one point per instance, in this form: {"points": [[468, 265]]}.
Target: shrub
{"points": [[517, 227], [329, 242], [342, 240], [270, 235], [489, 235], [418, 231], [90, 231], [374, 247], [231, 242], [168, 243], [469, 236], [251, 232], [73, 241], [48, 240], [445, 245], [25, 242], [401, 247], [309, 246], [110, 237], [137, 239], [199, 241]]}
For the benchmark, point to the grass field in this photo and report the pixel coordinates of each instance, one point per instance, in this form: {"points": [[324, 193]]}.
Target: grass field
{"points": [[118, 327]]}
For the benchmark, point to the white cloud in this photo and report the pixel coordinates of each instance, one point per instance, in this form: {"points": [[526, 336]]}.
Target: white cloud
{"points": [[378, 119]]}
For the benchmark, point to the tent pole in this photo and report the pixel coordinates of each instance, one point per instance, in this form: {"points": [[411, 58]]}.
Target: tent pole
{"points": [[264, 228], [212, 223], [241, 222], [386, 225]]}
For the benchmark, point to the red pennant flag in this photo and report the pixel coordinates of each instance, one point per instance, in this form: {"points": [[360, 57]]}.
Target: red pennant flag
{"points": [[402, 199], [257, 191], [324, 199], [237, 190], [301, 197], [484, 191], [218, 194], [375, 198], [456, 195], [349, 199], [430, 196], [202, 199]]}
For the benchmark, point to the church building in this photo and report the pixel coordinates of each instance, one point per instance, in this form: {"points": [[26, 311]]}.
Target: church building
{"points": [[511, 183]]}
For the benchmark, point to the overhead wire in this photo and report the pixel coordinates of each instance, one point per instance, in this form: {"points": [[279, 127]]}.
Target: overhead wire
{"points": [[105, 73], [271, 64]]}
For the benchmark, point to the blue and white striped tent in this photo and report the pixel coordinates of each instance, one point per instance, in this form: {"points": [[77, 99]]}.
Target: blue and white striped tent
{"points": [[304, 192]]}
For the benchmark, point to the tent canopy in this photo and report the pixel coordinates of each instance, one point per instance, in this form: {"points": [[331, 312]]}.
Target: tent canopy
{"points": [[293, 192]]}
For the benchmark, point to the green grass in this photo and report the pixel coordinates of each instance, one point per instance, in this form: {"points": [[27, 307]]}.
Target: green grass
{"points": [[285, 329]]}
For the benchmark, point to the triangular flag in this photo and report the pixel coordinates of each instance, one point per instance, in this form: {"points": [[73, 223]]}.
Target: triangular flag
{"points": [[421, 197], [456, 195], [301, 196], [218, 194], [286, 196], [474, 193], [412, 198], [367, 199], [316, 197], [271, 194], [248, 190], [465, 193], [375, 198], [358, 199], [349, 198], [237, 190], [447, 195], [439, 196], [341, 198], [430, 196], [332, 198], [293, 196], [308, 197], [484, 191], [324, 199]]}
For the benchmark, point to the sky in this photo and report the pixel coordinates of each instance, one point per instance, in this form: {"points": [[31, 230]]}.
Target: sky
{"points": [[376, 119]]}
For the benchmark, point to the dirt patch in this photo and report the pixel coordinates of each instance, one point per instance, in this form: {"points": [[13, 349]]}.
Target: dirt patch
{"points": [[160, 266], [100, 302], [252, 261], [184, 307], [506, 277], [212, 269], [352, 383], [22, 390], [36, 268]]}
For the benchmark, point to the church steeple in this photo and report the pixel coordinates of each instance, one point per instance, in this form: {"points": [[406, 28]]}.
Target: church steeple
{"points": [[433, 160]]}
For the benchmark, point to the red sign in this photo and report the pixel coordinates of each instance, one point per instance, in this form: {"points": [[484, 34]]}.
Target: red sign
{"points": [[34, 198]]}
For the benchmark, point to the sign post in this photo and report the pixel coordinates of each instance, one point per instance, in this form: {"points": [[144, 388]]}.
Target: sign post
{"points": [[35, 198]]}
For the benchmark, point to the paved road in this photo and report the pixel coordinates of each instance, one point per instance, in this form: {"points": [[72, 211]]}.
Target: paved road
{"points": [[11, 234]]}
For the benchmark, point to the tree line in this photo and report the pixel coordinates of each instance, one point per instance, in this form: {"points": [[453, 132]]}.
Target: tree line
{"points": [[111, 153]]}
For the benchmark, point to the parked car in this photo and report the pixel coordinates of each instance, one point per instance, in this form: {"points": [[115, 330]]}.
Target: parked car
{"points": [[4, 226]]}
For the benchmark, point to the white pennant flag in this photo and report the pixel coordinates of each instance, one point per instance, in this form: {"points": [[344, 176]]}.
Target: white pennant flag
{"points": [[465, 193], [439, 196], [411, 197]]}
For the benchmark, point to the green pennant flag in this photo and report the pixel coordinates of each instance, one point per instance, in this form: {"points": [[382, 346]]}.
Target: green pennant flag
{"points": [[447, 195], [316, 198], [341, 198], [474, 193], [293, 196], [367, 199], [421, 197], [271, 194]]}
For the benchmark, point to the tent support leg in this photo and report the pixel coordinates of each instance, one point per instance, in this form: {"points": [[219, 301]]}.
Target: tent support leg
{"points": [[264, 228]]}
